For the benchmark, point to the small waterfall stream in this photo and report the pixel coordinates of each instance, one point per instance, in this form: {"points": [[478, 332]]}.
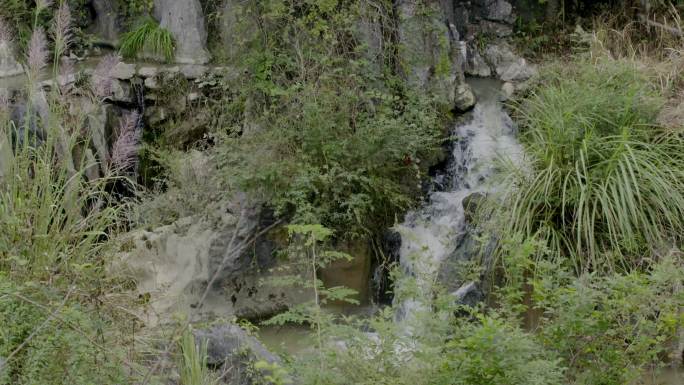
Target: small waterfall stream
{"points": [[431, 234]]}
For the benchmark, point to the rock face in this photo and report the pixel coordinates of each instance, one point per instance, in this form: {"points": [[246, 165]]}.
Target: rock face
{"points": [[185, 20], [107, 23], [429, 52], [8, 62]]}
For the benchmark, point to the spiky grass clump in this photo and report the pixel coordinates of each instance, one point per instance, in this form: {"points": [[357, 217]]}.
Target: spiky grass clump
{"points": [[150, 37], [606, 187]]}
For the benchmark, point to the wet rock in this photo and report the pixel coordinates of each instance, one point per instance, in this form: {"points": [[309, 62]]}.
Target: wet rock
{"points": [[174, 264], [492, 28], [471, 204], [475, 65], [509, 66], [465, 98], [9, 66], [469, 294], [507, 91], [185, 20], [188, 131], [122, 71], [121, 92]]}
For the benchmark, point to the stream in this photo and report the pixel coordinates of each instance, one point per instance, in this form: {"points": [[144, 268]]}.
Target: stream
{"points": [[432, 234]]}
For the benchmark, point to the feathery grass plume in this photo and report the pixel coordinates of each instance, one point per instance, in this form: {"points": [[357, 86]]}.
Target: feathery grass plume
{"points": [[125, 148], [37, 52], [62, 29], [43, 4], [102, 80]]}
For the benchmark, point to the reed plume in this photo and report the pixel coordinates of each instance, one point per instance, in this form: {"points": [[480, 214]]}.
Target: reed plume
{"points": [[102, 80], [125, 149], [37, 52]]}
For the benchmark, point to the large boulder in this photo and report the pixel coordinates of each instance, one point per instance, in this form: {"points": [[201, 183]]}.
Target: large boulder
{"points": [[185, 20]]}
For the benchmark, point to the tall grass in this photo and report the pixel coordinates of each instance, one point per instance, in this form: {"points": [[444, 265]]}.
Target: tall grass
{"points": [[53, 219], [193, 362], [606, 186], [148, 36]]}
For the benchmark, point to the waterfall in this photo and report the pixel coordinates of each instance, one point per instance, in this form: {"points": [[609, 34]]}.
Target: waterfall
{"points": [[431, 234]]}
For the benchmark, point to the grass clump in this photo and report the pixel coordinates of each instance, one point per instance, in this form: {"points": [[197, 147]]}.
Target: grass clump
{"points": [[148, 37], [606, 185]]}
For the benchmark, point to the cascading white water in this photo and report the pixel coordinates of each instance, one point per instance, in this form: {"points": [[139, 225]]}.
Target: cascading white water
{"points": [[431, 234]]}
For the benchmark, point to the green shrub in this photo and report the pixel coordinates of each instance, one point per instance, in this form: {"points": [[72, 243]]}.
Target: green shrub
{"points": [[601, 172]]}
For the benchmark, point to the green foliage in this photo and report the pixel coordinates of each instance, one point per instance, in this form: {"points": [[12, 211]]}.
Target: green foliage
{"points": [[22, 16], [611, 330], [307, 253], [600, 170], [491, 351], [482, 350], [325, 137], [148, 38], [59, 347]]}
